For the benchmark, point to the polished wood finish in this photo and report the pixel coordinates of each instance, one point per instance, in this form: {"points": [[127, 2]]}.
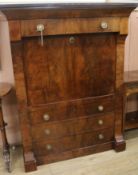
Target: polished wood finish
{"points": [[72, 142], [74, 153], [5, 89], [69, 68], [69, 82], [15, 30], [71, 26], [65, 10], [72, 109], [71, 127]]}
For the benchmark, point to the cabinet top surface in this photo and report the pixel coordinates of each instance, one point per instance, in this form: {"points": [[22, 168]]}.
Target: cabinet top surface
{"points": [[71, 9]]}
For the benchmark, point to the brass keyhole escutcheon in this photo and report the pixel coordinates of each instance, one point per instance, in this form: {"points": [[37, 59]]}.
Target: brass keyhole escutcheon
{"points": [[72, 40]]}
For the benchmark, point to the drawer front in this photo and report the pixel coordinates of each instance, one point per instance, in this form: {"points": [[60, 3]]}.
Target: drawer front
{"points": [[72, 109], [71, 127], [73, 142], [70, 26]]}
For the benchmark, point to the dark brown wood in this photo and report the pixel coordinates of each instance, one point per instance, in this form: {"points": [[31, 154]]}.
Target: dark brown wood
{"points": [[72, 109], [119, 107], [71, 26], [74, 153], [29, 159], [52, 146], [67, 10], [15, 30], [72, 127], [76, 71], [70, 86], [29, 162]]}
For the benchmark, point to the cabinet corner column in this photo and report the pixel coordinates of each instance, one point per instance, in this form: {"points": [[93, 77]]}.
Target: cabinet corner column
{"points": [[119, 143]]}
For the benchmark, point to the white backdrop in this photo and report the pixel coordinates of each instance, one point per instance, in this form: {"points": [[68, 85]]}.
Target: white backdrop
{"points": [[61, 1]]}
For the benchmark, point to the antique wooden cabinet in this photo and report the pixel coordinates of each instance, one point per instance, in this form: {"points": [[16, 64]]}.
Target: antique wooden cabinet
{"points": [[68, 65]]}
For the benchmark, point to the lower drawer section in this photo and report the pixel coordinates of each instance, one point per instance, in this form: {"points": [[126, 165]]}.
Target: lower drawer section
{"points": [[54, 146], [74, 126], [45, 159]]}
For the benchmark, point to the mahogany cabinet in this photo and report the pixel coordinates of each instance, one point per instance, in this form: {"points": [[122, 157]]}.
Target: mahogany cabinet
{"points": [[68, 63]]}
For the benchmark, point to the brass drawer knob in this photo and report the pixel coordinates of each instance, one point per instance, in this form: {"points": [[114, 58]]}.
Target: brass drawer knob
{"points": [[47, 131], [101, 136], [49, 147], [40, 27], [46, 117], [100, 108], [104, 25], [72, 40], [100, 122]]}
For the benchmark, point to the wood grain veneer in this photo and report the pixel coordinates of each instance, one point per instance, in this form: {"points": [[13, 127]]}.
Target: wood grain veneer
{"points": [[74, 80]]}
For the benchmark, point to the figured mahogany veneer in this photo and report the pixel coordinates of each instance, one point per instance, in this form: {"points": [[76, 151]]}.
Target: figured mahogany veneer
{"points": [[72, 109], [71, 26], [69, 81], [53, 130], [52, 146], [59, 71]]}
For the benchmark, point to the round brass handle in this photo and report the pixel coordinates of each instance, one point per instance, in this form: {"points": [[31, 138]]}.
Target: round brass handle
{"points": [[47, 131], [40, 27], [100, 122], [49, 147], [100, 108], [104, 25], [101, 136], [46, 117], [72, 40]]}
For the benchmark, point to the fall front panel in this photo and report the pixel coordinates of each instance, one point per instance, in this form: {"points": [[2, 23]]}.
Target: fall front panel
{"points": [[69, 67]]}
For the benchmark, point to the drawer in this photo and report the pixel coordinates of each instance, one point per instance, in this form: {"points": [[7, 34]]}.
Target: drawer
{"points": [[56, 130], [72, 109], [54, 146], [70, 26]]}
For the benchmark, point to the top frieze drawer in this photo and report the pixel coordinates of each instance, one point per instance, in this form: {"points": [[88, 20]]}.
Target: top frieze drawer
{"points": [[69, 26]]}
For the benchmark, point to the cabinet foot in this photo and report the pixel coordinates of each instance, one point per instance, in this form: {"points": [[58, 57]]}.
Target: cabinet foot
{"points": [[30, 162], [119, 144]]}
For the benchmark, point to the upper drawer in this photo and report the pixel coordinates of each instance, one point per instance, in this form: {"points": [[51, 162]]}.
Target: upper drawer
{"points": [[70, 26], [72, 109]]}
